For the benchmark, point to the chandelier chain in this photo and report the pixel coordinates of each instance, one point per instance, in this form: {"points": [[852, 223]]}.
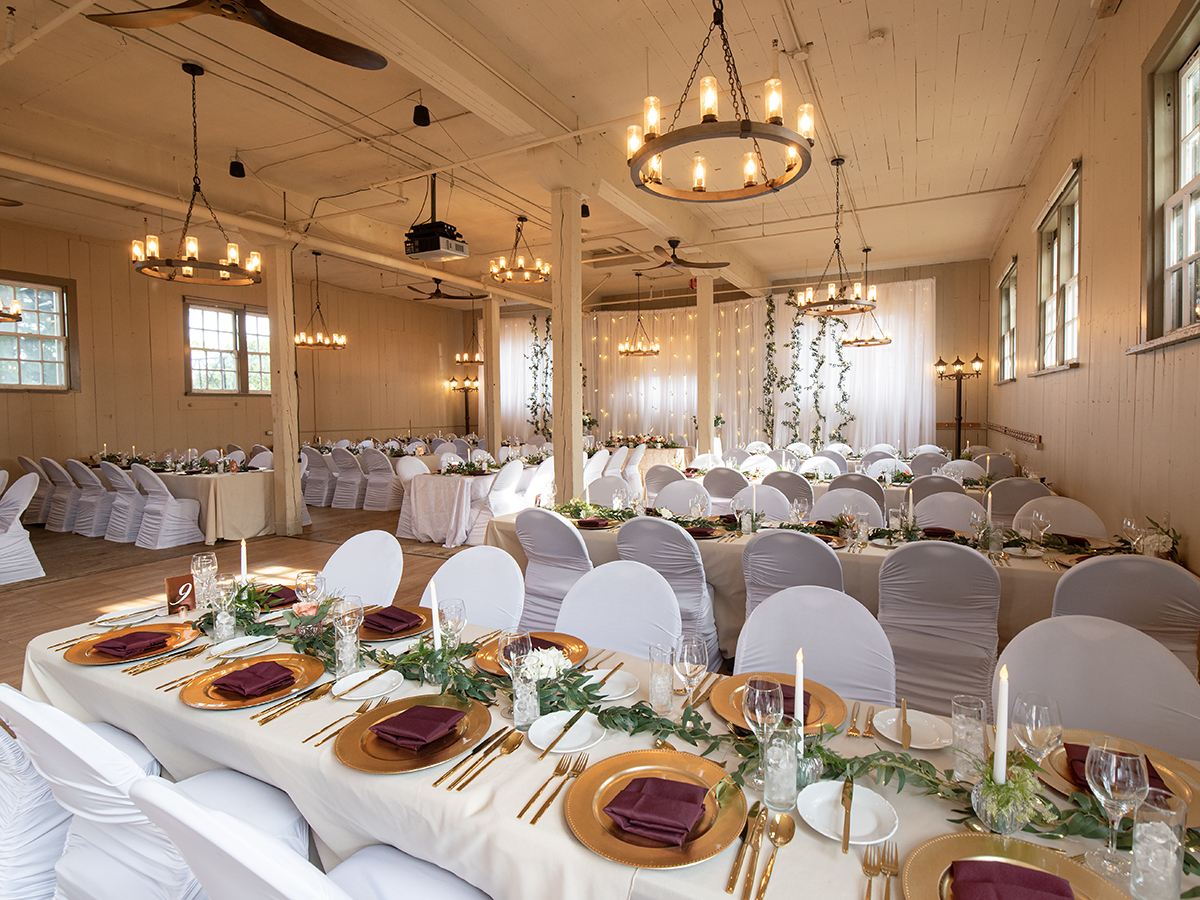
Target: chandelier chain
{"points": [[687, 88], [196, 189]]}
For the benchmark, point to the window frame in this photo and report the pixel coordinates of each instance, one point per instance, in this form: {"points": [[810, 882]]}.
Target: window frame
{"points": [[71, 374], [1006, 356], [1053, 253], [239, 311]]}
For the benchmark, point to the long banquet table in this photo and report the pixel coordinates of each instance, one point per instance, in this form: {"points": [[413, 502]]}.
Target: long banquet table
{"points": [[438, 507], [232, 506], [473, 833], [1026, 587]]}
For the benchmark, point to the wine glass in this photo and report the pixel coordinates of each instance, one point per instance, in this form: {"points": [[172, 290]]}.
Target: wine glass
{"points": [[1134, 533], [1037, 724], [510, 646], [1041, 524], [697, 507], [1116, 773], [762, 707], [691, 661], [453, 617], [310, 586]]}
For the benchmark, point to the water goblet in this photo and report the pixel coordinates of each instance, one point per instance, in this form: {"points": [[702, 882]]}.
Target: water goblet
{"points": [[691, 662], [1116, 773], [762, 707], [510, 646], [697, 507], [1037, 724], [310, 586], [895, 519], [453, 618], [1041, 524], [1134, 533]]}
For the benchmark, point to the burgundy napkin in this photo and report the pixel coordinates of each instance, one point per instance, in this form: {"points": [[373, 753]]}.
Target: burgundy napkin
{"points": [[1072, 539], [827, 523], [827, 538], [595, 523], [1077, 761], [132, 643], [391, 619], [418, 726], [979, 880], [279, 595], [729, 519], [789, 700], [537, 643], [700, 531], [256, 680], [658, 808], [934, 531]]}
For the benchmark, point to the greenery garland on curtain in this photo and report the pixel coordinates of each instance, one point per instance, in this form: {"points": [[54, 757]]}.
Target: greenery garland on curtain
{"points": [[789, 386], [842, 405], [817, 352], [772, 377], [541, 368]]}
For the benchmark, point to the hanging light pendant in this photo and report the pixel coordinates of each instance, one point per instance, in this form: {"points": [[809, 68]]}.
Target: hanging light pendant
{"points": [[186, 265], [876, 337], [472, 356], [322, 338], [519, 268], [639, 343], [646, 145]]}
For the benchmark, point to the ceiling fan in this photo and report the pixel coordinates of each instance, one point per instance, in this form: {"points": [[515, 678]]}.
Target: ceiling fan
{"points": [[438, 294], [249, 12], [672, 260]]}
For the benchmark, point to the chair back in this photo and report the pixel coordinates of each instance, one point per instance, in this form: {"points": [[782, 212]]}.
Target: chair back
{"points": [[707, 461], [417, 447], [759, 465], [948, 510], [634, 459], [835, 457], [776, 559], [924, 485], [819, 465], [1010, 494], [557, 558], [437, 442], [88, 480], [885, 466], [259, 448], [769, 501], [211, 455], [601, 491], [316, 460], [118, 478], [864, 483], [785, 459], [15, 501], [617, 461], [488, 582], [594, 467], [658, 477], [409, 467], [677, 497], [481, 455], [723, 483], [237, 456], [845, 648], [792, 486], [233, 448], [965, 468], [368, 565], [377, 462], [1107, 677], [841, 447], [831, 504], [758, 447], [504, 454], [507, 478], [621, 605], [57, 473], [342, 444], [978, 450], [30, 466], [924, 463], [737, 455], [450, 459], [882, 448], [1066, 516], [929, 448], [33, 827], [538, 441], [461, 447], [873, 456], [347, 463], [263, 460], [150, 483], [801, 449]]}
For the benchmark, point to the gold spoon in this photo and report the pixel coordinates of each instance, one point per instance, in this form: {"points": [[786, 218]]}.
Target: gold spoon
{"points": [[511, 743], [781, 831]]}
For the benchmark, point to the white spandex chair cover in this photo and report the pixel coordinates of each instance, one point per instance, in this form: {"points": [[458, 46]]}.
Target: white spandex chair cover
{"points": [[504, 454], [481, 455], [321, 483], [924, 485], [658, 477], [233, 448], [673, 553], [977, 450], [996, 464], [1107, 677], [938, 603], [342, 444], [259, 448], [758, 466], [538, 440], [737, 456], [557, 559], [616, 461], [385, 490], [845, 649], [18, 561], [488, 582], [793, 487], [526, 449], [408, 468], [211, 455], [864, 483], [842, 448], [594, 468], [758, 447], [95, 501], [948, 510], [820, 465], [264, 459], [1066, 516], [707, 461], [778, 559], [64, 504], [125, 520], [449, 459], [541, 481], [965, 468], [501, 499], [1155, 596], [435, 443], [927, 448], [873, 456], [677, 497], [1010, 494], [769, 501], [166, 522], [233, 860], [882, 448], [722, 484], [925, 462], [237, 456], [417, 447], [39, 507], [834, 457], [801, 449], [885, 466], [600, 492], [623, 606], [351, 482], [113, 852], [830, 505], [630, 473], [784, 459], [462, 448], [368, 565]]}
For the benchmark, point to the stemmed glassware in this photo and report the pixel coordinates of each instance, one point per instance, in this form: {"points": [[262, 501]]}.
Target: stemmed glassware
{"points": [[310, 586], [453, 617], [1041, 524], [691, 662], [697, 507], [510, 646], [347, 614], [762, 707], [1134, 533], [204, 570], [1116, 773], [1037, 724]]}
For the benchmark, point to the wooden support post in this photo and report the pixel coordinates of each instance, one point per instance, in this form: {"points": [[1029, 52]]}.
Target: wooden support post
{"points": [[566, 293], [285, 392]]}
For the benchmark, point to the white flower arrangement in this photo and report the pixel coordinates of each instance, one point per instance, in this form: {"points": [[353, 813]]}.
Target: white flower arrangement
{"points": [[548, 663]]}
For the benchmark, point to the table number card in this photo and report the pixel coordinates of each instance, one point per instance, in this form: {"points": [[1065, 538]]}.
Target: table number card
{"points": [[181, 584]]}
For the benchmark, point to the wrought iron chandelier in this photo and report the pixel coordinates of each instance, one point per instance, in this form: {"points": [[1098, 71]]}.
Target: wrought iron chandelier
{"points": [[639, 343], [323, 338], [512, 269], [647, 144], [186, 265], [472, 356], [843, 298], [12, 312], [877, 336]]}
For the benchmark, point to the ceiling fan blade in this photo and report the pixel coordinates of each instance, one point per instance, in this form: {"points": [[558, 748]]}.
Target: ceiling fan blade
{"points": [[153, 18], [418, 291], [314, 41], [664, 265], [662, 251], [690, 264]]}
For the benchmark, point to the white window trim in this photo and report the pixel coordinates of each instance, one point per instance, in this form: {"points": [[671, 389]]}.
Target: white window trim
{"points": [[1009, 272], [72, 382], [1071, 180], [240, 311]]}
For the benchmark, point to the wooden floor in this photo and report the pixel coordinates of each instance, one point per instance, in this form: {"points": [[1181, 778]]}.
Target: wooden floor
{"points": [[89, 576]]}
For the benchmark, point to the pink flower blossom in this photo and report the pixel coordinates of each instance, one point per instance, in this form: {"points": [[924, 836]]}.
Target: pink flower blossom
{"points": [[306, 607]]}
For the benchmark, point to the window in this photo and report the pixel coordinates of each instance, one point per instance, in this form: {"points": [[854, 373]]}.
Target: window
{"points": [[1182, 211], [229, 349], [34, 353], [1058, 299], [1007, 350]]}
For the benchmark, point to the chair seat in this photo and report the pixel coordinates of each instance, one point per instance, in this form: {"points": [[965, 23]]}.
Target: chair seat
{"points": [[374, 872]]}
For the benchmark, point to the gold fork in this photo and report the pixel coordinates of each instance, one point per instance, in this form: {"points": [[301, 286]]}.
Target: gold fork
{"points": [[599, 660], [337, 731], [890, 864], [363, 707], [564, 763], [581, 762], [870, 867]]}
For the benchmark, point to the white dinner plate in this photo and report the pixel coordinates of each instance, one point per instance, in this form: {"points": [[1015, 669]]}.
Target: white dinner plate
{"points": [[872, 819], [123, 617], [619, 686], [885, 543], [583, 734], [928, 732], [1026, 552], [275, 615], [243, 646], [352, 687]]}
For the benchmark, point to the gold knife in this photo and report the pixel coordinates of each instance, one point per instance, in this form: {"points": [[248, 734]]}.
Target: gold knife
{"points": [[703, 698], [611, 673], [905, 728], [847, 800], [483, 747], [751, 822], [364, 681], [571, 721], [756, 836]]}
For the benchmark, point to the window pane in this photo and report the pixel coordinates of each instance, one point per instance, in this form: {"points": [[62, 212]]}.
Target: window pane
{"points": [[8, 347], [53, 373], [47, 301], [31, 348], [9, 373], [31, 373]]}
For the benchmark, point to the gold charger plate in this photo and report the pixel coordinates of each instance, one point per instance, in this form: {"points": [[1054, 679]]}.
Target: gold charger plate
{"points": [[486, 659], [357, 747], [608, 523], [926, 872], [84, 653], [825, 707], [200, 693], [718, 532], [1182, 779], [719, 827], [371, 636]]}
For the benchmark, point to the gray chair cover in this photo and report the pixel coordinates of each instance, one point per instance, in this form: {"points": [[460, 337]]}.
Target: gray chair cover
{"points": [[778, 559], [677, 497], [925, 462], [1010, 494], [792, 486], [557, 559], [658, 477], [948, 510], [835, 457], [924, 485], [864, 483]]}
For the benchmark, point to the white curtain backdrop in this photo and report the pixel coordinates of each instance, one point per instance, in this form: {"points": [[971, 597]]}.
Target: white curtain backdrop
{"points": [[891, 388]]}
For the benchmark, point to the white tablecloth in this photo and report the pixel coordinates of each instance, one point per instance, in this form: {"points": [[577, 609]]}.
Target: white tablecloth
{"points": [[438, 507], [232, 506]]}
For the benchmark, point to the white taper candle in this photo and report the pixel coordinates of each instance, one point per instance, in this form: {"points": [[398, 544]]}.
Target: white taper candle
{"points": [[243, 560], [437, 625], [1000, 760], [798, 711]]}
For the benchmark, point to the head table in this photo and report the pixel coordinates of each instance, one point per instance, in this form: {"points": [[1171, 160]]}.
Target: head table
{"points": [[475, 833]]}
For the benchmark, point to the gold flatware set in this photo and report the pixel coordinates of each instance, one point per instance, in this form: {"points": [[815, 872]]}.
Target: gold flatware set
{"points": [[577, 768], [881, 860]]}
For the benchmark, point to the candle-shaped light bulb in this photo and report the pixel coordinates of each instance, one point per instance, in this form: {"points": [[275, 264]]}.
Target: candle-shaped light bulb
{"points": [[224, 276], [254, 261], [233, 254], [633, 141], [774, 100], [749, 169], [191, 247], [139, 251], [654, 173], [651, 113], [708, 99], [858, 290], [504, 262], [186, 271], [698, 173], [793, 157], [437, 623], [832, 290], [1000, 759], [806, 122], [808, 295], [871, 294], [152, 246]]}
